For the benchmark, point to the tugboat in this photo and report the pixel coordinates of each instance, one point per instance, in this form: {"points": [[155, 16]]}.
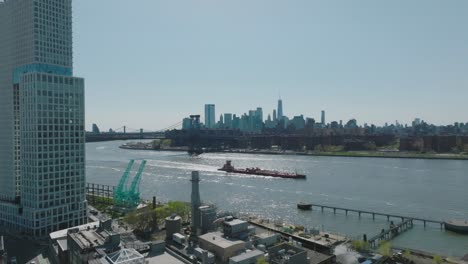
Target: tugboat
{"points": [[304, 206], [257, 171], [458, 226]]}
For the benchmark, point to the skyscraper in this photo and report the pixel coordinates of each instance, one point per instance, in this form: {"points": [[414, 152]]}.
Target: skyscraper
{"points": [[280, 109], [259, 114], [274, 115], [228, 120], [42, 140], [210, 116], [323, 117]]}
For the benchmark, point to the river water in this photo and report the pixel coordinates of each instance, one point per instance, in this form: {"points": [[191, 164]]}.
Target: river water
{"points": [[433, 189]]}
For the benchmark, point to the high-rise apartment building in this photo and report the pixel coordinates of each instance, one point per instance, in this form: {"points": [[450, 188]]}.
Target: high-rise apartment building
{"points": [[210, 121], [323, 118], [228, 120], [42, 140], [280, 109]]}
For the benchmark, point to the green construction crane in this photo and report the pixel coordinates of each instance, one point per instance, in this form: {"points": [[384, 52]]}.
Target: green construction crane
{"points": [[134, 192], [120, 193]]}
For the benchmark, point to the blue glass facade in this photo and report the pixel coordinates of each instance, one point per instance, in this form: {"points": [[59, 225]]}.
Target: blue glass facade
{"points": [[43, 68]]}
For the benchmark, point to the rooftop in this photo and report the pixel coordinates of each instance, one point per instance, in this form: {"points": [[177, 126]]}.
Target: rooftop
{"points": [[63, 233], [126, 255], [235, 222], [265, 235], [219, 240], [247, 255], [90, 238], [165, 258]]}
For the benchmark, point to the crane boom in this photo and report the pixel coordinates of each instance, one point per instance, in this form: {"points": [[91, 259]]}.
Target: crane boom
{"points": [[119, 194], [134, 192]]}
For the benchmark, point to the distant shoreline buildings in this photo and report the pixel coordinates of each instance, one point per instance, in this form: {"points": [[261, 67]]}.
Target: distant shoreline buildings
{"points": [[253, 121]]}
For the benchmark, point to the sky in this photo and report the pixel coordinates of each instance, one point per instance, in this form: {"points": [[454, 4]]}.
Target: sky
{"points": [[150, 63]]}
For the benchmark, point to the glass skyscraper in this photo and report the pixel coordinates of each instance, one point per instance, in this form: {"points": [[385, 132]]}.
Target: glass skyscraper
{"points": [[210, 116], [42, 140], [280, 109]]}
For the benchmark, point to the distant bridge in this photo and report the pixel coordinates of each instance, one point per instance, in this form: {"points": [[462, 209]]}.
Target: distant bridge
{"points": [[126, 133], [92, 137]]}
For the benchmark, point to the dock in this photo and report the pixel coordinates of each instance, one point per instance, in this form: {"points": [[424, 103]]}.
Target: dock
{"points": [[374, 214], [391, 233]]}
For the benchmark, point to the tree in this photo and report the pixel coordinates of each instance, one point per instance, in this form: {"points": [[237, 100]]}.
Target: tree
{"points": [[438, 259], [360, 245], [385, 249], [318, 148], [156, 144], [142, 220], [261, 260], [370, 145], [407, 253], [180, 208]]}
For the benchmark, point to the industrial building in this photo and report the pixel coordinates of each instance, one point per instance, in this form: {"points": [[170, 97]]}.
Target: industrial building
{"points": [[203, 216], [124, 256], [173, 225], [222, 248], [236, 228], [205, 256], [207, 217], [249, 257], [58, 244], [84, 244], [266, 239], [287, 254]]}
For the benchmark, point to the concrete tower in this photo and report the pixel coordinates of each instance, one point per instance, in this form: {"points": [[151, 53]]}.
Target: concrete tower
{"points": [[195, 200]]}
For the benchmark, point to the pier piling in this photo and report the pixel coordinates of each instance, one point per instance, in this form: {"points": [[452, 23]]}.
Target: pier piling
{"points": [[374, 214]]}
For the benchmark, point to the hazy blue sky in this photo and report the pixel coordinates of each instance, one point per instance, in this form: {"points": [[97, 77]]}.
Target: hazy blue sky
{"points": [[149, 63]]}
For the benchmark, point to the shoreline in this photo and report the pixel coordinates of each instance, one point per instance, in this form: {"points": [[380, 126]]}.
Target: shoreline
{"points": [[394, 155]]}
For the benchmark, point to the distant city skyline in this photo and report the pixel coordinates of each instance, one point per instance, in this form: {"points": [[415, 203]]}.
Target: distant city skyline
{"points": [[152, 64]]}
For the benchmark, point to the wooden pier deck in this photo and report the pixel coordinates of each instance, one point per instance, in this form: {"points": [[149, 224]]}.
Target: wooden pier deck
{"points": [[373, 214], [391, 233]]}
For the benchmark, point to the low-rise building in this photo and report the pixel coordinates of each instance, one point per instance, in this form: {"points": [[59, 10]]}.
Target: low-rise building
{"points": [[236, 228], [249, 257], [266, 239], [83, 245], [222, 248], [287, 254], [204, 255], [208, 216], [58, 245]]}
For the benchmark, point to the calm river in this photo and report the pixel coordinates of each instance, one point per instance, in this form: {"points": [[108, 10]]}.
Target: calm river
{"points": [[433, 189]]}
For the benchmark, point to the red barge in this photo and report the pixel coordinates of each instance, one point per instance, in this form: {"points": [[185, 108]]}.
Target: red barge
{"points": [[257, 171]]}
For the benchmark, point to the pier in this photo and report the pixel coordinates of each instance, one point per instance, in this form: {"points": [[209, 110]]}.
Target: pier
{"points": [[100, 192], [391, 233], [374, 214]]}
